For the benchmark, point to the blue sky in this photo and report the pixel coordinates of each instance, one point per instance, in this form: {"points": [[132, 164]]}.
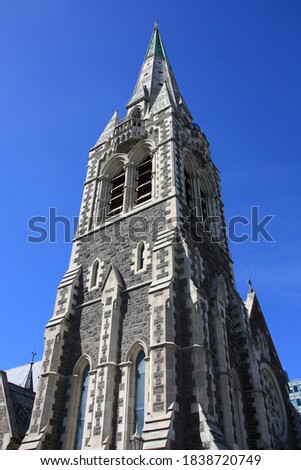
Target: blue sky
{"points": [[66, 65]]}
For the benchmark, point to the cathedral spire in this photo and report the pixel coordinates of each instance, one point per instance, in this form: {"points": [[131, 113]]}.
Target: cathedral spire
{"points": [[156, 47], [29, 379], [155, 72]]}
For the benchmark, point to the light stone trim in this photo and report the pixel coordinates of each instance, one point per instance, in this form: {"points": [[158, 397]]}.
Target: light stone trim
{"points": [[70, 421], [107, 360], [238, 411], [127, 394], [223, 368]]}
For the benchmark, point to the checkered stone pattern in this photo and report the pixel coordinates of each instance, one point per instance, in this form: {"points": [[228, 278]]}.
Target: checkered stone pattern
{"points": [[164, 169], [181, 309], [93, 163], [85, 214]]}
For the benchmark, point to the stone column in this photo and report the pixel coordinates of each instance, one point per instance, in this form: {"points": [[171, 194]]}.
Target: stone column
{"points": [[223, 361], [102, 433], [158, 431]]}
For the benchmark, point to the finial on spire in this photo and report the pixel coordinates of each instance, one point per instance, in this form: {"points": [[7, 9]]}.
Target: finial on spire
{"points": [[156, 24], [29, 379], [33, 354], [250, 285]]}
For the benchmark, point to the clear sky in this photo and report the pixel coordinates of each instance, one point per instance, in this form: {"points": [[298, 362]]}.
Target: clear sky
{"points": [[66, 65]]}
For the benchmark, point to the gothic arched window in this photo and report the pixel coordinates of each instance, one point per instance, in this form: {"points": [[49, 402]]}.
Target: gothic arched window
{"points": [[82, 408], [139, 393], [204, 206], [144, 180], [136, 114], [238, 410], [204, 210], [141, 254], [116, 194], [274, 404], [188, 189], [94, 274]]}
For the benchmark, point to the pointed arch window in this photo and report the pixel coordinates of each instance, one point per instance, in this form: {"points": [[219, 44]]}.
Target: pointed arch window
{"points": [[144, 180], [204, 205], [238, 410], [116, 194], [188, 189], [94, 275], [136, 113], [136, 117], [141, 255], [82, 409], [204, 210], [139, 393], [274, 404]]}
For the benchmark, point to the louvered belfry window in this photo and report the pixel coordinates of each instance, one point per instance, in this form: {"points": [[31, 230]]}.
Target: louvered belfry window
{"points": [[116, 194], [144, 180]]}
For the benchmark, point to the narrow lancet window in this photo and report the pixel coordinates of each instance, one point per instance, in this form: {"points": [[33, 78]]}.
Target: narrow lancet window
{"points": [[116, 194], [94, 276], [82, 409], [144, 181], [204, 208], [188, 189], [141, 256], [136, 116], [140, 390]]}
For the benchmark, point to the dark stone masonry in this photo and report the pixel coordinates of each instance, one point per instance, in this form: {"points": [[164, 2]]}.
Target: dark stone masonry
{"points": [[149, 337]]}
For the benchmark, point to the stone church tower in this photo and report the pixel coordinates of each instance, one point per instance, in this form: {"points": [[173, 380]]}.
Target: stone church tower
{"points": [[148, 335]]}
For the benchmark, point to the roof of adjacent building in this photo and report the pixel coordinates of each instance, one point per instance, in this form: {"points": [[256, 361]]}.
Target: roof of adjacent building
{"points": [[18, 386], [19, 375], [22, 400]]}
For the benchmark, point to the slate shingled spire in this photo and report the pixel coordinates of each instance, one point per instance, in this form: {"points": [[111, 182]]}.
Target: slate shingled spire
{"points": [[29, 379], [155, 72]]}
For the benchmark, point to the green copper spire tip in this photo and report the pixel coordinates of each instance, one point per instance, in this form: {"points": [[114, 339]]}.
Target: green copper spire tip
{"points": [[156, 47]]}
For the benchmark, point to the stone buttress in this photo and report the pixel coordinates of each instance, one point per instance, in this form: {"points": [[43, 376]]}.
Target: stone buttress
{"points": [[150, 276]]}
